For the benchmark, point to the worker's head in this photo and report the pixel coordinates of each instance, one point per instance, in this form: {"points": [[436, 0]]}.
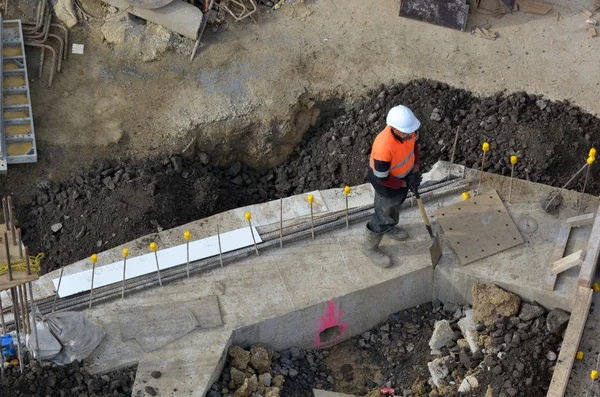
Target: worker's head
{"points": [[403, 121]]}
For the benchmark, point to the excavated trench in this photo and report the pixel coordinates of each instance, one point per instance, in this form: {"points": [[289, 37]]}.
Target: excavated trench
{"points": [[421, 351]]}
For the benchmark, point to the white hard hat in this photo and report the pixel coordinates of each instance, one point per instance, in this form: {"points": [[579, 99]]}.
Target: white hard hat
{"points": [[402, 118]]}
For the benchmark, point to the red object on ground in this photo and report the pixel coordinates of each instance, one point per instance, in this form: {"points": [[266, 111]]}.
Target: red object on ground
{"points": [[387, 391]]}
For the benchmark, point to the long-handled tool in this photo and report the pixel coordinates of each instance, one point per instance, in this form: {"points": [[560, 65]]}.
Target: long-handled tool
{"points": [[435, 249]]}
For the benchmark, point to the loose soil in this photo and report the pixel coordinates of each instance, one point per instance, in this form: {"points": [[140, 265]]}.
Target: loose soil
{"points": [[518, 359], [65, 381], [120, 200]]}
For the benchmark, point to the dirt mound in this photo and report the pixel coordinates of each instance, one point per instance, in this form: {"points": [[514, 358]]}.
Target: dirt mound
{"points": [[121, 200], [65, 381]]}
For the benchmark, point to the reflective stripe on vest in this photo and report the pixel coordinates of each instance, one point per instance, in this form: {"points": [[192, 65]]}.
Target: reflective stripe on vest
{"points": [[401, 155]]}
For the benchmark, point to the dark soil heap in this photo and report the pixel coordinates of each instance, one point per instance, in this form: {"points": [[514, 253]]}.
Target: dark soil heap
{"points": [[65, 381], [121, 200], [518, 359]]}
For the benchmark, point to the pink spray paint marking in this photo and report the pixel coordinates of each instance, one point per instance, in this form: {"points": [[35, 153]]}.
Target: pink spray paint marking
{"points": [[328, 320]]}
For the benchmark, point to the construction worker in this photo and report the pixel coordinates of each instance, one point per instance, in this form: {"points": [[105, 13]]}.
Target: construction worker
{"points": [[394, 169]]}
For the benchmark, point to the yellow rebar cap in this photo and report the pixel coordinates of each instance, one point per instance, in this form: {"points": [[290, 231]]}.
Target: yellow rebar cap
{"points": [[466, 196], [347, 190], [592, 153], [591, 160], [310, 198], [94, 258], [513, 160], [248, 216], [594, 374], [485, 147], [125, 252], [596, 287], [186, 235], [579, 355], [153, 246]]}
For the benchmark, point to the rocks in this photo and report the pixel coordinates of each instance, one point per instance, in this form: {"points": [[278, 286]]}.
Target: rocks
{"points": [[557, 320], [237, 376], [438, 369], [65, 12], [56, 227], [491, 302], [156, 374], [469, 383], [442, 334], [239, 357], [469, 330], [551, 356], [243, 390], [150, 391], [530, 312], [260, 359]]}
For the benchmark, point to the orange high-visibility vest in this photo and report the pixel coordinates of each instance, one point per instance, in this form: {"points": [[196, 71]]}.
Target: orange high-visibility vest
{"points": [[401, 155]]}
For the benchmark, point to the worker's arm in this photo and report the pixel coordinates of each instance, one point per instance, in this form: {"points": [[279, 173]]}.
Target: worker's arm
{"points": [[382, 175], [416, 167]]}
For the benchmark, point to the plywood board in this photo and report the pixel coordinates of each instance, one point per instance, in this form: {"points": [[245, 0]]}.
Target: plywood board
{"points": [[448, 13], [146, 264], [560, 244], [569, 261], [570, 345], [18, 279], [478, 227]]}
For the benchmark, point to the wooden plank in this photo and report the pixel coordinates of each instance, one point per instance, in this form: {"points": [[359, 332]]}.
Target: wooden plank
{"points": [[582, 220], [448, 13], [560, 244], [586, 13], [592, 32], [569, 261], [19, 278], [570, 344], [588, 268], [534, 7]]}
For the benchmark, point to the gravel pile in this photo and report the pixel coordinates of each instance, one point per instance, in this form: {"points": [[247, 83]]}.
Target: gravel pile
{"points": [[119, 201], [65, 381]]}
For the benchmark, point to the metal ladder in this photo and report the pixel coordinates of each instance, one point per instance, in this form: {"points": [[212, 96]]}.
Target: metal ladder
{"points": [[17, 136]]}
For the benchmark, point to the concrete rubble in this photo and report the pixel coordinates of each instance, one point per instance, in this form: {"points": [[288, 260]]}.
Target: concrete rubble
{"points": [[490, 303]]}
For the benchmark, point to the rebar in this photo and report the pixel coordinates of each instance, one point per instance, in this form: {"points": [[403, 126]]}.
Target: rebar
{"points": [[565, 185], [44, 46]]}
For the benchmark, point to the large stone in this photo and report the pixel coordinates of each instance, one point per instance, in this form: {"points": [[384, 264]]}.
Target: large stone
{"points": [[490, 303], [278, 381], [260, 359], [253, 384], [557, 320], [468, 328], [438, 369], [239, 358], [272, 392], [530, 312], [265, 379], [65, 12], [442, 334], [237, 377], [469, 383]]}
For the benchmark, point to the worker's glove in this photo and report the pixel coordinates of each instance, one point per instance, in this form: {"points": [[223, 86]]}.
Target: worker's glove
{"points": [[413, 180]]}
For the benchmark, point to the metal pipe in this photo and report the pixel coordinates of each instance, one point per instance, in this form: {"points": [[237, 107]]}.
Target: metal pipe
{"points": [[44, 46], [35, 333], [60, 49], [15, 311], [11, 216], [59, 26]]}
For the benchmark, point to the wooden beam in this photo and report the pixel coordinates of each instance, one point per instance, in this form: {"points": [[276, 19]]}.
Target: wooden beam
{"points": [[588, 268], [592, 32], [569, 261], [582, 220], [560, 244], [570, 345], [534, 7]]}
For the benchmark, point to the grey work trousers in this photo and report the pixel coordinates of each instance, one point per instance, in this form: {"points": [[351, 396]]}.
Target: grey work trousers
{"points": [[387, 212]]}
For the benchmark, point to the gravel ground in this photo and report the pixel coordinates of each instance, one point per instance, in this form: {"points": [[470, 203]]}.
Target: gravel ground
{"points": [[119, 201]]}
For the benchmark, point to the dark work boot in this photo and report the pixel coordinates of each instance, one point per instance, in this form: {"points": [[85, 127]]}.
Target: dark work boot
{"points": [[397, 233], [371, 249]]}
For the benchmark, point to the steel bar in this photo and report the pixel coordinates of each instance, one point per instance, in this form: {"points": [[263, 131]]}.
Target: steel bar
{"points": [[20, 242], [157, 269], [512, 175], [60, 49], [35, 333], [202, 27], [44, 46], [2, 318], [187, 256], [281, 223], [481, 173], [57, 288], [15, 311], [587, 175], [41, 11], [5, 212], [11, 216], [220, 251], [453, 152], [253, 239], [123, 285], [92, 286], [565, 185], [63, 28], [10, 275]]}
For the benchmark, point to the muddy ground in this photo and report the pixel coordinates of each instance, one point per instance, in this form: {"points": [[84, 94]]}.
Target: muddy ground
{"points": [[119, 200], [517, 360]]}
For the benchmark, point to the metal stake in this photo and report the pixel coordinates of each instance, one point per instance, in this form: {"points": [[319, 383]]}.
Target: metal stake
{"points": [[220, 252], [565, 185], [157, 268], [11, 210], [57, 288], [587, 174], [92, 286], [123, 284], [35, 332], [15, 300], [347, 221], [253, 239], [512, 174], [453, 151], [481, 173], [281, 223], [20, 242], [5, 211]]}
